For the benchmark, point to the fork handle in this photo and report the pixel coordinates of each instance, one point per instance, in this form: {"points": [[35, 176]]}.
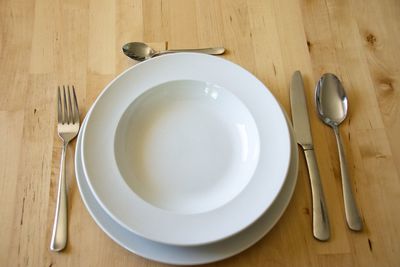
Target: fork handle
{"points": [[60, 227]]}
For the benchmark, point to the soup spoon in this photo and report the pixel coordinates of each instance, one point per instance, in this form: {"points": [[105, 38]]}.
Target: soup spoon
{"points": [[141, 51], [332, 104]]}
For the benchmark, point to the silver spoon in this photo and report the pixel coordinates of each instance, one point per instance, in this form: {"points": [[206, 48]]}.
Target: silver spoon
{"points": [[331, 102], [141, 51]]}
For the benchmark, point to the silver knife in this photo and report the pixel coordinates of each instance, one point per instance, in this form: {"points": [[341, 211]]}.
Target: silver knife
{"points": [[302, 131]]}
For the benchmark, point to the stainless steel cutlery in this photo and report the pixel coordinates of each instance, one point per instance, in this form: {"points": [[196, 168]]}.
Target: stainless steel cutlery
{"points": [[303, 137], [141, 51], [332, 104], [68, 127]]}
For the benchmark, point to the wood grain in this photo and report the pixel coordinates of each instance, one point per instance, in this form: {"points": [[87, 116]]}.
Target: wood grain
{"points": [[44, 43]]}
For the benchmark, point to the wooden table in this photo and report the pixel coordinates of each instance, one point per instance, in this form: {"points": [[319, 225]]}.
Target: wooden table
{"points": [[45, 43]]}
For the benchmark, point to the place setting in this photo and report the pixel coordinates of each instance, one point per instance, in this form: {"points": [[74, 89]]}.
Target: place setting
{"points": [[187, 158]]}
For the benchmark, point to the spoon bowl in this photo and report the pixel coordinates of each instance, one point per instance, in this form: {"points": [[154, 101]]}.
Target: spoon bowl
{"points": [[141, 51], [138, 51], [332, 108], [331, 100]]}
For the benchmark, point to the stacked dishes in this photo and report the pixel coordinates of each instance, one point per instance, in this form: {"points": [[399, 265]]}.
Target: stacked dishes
{"points": [[186, 159]]}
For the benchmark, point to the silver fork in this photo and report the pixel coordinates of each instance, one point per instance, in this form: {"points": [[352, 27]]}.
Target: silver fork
{"points": [[68, 127]]}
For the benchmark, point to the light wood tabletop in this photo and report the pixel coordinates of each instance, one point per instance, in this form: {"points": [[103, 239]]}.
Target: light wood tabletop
{"points": [[45, 43]]}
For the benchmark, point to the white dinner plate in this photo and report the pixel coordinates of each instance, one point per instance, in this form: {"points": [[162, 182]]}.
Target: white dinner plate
{"points": [[178, 148], [186, 255]]}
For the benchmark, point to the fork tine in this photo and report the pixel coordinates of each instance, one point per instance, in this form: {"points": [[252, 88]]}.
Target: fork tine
{"points": [[75, 106], [59, 103], [65, 110], [70, 114]]}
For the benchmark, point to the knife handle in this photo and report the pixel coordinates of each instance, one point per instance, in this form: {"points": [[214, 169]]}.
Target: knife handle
{"points": [[320, 214]]}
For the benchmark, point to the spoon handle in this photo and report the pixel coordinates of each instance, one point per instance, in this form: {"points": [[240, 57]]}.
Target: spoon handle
{"points": [[209, 51], [321, 229], [352, 215]]}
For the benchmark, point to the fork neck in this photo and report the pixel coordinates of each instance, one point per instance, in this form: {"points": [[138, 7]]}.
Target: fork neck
{"points": [[65, 145]]}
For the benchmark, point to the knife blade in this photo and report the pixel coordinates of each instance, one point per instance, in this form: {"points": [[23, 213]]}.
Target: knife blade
{"points": [[301, 126]]}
